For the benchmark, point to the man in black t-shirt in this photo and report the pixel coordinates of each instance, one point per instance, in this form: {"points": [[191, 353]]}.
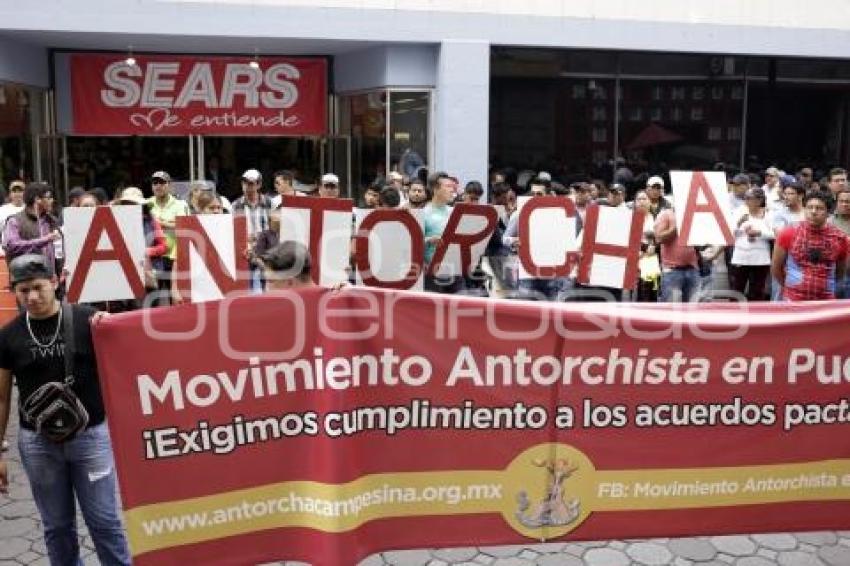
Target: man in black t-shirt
{"points": [[32, 348]]}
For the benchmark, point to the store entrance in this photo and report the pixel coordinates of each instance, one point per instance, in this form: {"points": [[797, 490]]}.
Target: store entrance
{"points": [[224, 159], [113, 163]]}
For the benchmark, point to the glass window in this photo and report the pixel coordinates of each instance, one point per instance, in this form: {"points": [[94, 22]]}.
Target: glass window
{"points": [[547, 112], [600, 135], [674, 133], [589, 62], [792, 118], [363, 117], [409, 132], [664, 64], [530, 119], [226, 158], [20, 119], [115, 162]]}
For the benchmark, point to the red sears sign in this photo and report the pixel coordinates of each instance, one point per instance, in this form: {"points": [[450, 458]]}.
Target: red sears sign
{"points": [[187, 94]]}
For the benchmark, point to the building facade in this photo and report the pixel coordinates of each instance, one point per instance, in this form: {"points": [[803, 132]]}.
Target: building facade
{"points": [[457, 85]]}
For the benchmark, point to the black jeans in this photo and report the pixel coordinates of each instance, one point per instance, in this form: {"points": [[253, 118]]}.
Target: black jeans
{"points": [[750, 279], [163, 280]]}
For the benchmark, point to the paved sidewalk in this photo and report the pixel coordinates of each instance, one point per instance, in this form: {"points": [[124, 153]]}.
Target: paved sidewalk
{"points": [[21, 543]]}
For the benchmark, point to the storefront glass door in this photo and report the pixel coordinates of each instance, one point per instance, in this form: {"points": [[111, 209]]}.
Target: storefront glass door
{"points": [[116, 162], [49, 162], [336, 159], [222, 160]]}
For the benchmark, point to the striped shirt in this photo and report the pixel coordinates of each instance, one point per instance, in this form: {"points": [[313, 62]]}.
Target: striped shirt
{"points": [[257, 214]]}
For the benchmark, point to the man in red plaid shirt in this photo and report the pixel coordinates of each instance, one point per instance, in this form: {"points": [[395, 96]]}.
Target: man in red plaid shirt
{"points": [[810, 257]]}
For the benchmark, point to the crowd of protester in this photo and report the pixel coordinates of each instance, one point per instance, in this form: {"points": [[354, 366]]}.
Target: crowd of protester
{"points": [[790, 231], [790, 239], [790, 243]]}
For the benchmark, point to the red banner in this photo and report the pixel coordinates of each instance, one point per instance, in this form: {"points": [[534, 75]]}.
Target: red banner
{"points": [[326, 426], [188, 94]]}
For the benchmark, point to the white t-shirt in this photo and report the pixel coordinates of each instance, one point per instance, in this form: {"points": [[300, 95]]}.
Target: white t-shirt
{"points": [[752, 252], [773, 197]]}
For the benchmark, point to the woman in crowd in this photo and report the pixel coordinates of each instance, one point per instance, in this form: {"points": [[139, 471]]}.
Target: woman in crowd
{"points": [[751, 256], [196, 188], [206, 202], [649, 267], [197, 192]]}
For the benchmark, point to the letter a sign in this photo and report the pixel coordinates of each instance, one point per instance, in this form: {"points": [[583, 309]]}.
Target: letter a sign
{"points": [[702, 208]]}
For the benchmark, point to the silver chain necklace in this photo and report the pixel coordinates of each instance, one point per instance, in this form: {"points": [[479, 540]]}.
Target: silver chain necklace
{"points": [[55, 334]]}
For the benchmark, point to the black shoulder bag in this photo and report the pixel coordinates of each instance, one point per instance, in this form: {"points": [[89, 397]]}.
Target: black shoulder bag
{"points": [[54, 410]]}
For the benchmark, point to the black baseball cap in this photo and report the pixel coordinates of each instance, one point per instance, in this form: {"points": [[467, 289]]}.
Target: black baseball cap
{"points": [[28, 267]]}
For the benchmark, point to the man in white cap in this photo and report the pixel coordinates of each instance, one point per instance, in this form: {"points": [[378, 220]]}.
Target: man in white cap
{"points": [[329, 186], [253, 203], [256, 207], [655, 192], [15, 204], [773, 187]]}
